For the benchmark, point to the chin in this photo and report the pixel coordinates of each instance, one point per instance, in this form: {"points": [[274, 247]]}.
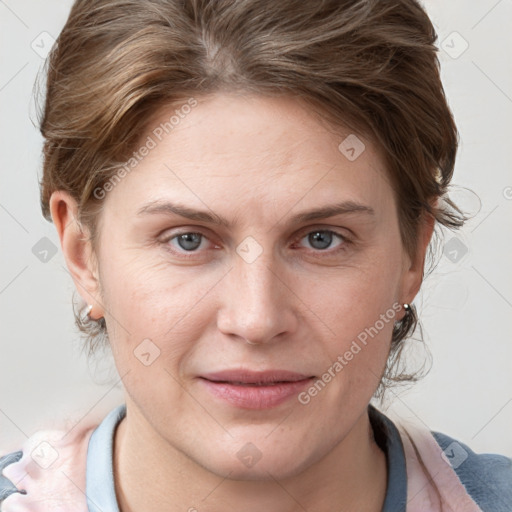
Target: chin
{"points": [[268, 470], [248, 462]]}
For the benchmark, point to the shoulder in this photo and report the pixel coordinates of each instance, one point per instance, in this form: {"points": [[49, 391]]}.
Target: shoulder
{"points": [[487, 477], [47, 465]]}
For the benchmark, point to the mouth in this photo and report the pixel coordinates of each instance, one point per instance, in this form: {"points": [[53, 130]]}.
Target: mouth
{"points": [[255, 390]]}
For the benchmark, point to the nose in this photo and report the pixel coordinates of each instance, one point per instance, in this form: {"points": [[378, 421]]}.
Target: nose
{"points": [[257, 303]]}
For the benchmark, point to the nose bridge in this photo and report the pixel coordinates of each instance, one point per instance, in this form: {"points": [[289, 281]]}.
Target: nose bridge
{"points": [[258, 304]]}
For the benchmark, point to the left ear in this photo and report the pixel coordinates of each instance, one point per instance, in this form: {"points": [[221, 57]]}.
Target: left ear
{"points": [[413, 273]]}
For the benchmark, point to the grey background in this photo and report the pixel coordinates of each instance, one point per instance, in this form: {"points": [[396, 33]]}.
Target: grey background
{"points": [[465, 305]]}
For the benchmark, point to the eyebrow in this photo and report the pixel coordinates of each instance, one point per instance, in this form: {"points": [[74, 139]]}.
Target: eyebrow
{"points": [[165, 207]]}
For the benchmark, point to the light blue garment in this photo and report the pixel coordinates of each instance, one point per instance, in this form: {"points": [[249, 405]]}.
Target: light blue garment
{"points": [[99, 475], [100, 479]]}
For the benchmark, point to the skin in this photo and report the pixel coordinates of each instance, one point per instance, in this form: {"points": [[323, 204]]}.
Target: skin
{"points": [[256, 161]]}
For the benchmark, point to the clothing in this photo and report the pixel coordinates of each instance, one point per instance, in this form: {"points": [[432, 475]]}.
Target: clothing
{"points": [[427, 471]]}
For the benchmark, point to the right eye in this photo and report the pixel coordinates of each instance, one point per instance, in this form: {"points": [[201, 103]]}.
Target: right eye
{"points": [[185, 244]]}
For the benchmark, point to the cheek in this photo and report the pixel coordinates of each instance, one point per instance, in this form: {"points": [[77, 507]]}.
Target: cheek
{"points": [[153, 307], [358, 308], [353, 299], [360, 317]]}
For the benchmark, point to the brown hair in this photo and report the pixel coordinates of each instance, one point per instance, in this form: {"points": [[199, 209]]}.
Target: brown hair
{"points": [[370, 65]]}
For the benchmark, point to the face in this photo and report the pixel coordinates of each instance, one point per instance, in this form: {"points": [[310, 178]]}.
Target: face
{"points": [[243, 325]]}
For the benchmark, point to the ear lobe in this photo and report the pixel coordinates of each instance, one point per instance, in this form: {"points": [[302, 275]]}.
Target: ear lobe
{"points": [[76, 248]]}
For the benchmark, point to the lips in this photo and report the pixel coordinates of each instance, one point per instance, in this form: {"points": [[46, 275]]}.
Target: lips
{"points": [[252, 378], [255, 389]]}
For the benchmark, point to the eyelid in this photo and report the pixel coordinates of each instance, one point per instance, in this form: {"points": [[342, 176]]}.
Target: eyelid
{"points": [[168, 237], [333, 229]]}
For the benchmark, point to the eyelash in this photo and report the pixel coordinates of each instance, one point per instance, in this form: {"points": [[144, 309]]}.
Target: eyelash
{"points": [[345, 241]]}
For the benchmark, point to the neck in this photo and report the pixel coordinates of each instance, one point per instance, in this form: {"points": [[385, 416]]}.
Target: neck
{"points": [[352, 477]]}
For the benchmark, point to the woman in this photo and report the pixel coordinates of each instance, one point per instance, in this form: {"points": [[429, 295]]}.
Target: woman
{"points": [[245, 192]]}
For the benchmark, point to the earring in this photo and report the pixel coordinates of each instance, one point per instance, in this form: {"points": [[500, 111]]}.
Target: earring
{"points": [[89, 309], [407, 308]]}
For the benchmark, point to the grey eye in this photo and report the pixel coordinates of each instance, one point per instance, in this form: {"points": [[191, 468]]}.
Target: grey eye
{"points": [[189, 241], [320, 239]]}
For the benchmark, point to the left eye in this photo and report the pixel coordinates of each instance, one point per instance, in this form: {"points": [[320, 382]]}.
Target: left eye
{"points": [[188, 241], [321, 239]]}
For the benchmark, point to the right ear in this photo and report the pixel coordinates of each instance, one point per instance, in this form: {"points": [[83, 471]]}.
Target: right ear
{"points": [[77, 250]]}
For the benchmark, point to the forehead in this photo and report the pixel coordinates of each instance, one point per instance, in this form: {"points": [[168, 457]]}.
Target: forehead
{"points": [[253, 150]]}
